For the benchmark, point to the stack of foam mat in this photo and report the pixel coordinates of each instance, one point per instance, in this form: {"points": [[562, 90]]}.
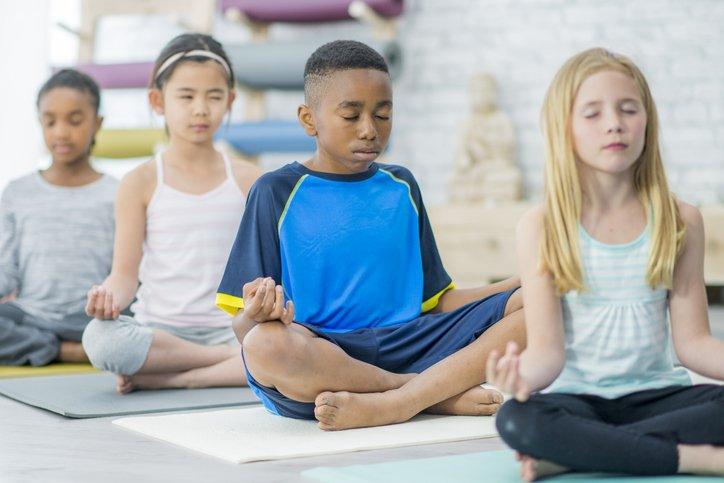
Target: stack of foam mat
{"points": [[258, 66]]}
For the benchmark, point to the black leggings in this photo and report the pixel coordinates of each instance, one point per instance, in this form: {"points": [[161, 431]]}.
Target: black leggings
{"points": [[635, 434]]}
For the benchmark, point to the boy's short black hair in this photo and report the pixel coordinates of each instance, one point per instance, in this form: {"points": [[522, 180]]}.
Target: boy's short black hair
{"points": [[72, 79], [335, 56]]}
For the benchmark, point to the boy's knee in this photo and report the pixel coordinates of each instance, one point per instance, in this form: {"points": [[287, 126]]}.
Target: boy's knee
{"points": [[267, 344], [519, 427]]}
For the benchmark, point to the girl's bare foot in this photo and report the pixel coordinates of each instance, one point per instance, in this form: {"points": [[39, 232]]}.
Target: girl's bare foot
{"points": [[171, 380], [532, 469], [71, 352], [124, 384]]}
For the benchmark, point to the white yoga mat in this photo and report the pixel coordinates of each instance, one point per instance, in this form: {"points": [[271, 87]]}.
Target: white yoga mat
{"points": [[251, 434]]}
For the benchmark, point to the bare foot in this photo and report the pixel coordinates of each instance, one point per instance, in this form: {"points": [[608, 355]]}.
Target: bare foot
{"points": [[171, 380], [71, 352], [701, 459], [345, 410], [476, 401], [124, 384], [532, 469]]}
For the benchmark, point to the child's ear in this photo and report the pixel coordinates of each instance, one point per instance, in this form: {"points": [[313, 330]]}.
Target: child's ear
{"points": [[99, 124], [306, 119], [232, 98], [155, 99]]}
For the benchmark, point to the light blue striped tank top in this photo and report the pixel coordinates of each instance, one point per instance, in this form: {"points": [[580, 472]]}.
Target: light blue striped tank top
{"points": [[617, 331]]}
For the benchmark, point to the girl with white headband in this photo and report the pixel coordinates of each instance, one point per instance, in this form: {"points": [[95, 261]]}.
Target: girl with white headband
{"points": [[177, 216]]}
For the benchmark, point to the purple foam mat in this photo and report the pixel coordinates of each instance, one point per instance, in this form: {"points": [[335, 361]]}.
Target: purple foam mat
{"points": [[306, 11], [132, 75]]}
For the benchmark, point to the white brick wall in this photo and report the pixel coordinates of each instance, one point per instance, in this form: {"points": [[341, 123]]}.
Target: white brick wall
{"points": [[523, 42]]}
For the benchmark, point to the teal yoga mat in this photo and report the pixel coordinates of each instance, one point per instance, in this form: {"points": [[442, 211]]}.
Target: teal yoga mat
{"points": [[280, 65], [94, 395], [489, 466]]}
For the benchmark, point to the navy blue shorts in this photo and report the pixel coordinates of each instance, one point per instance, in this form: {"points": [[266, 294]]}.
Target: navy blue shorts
{"points": [[411, 347]]}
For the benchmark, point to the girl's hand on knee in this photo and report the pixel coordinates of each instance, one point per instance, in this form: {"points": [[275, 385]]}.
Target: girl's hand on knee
{"points": [[101, 304], [503, 373]]}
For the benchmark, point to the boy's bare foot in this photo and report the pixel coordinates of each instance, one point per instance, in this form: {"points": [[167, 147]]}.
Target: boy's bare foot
{"points": [[71, 352], [345, 410], [476, 401], [701, 459], [532, 469]]}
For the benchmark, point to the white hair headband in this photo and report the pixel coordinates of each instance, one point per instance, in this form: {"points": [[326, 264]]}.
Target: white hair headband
{"points": [[193, 53]]}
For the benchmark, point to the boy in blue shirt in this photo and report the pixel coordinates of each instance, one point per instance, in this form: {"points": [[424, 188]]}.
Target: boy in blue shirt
{"points": [[373, 330]]}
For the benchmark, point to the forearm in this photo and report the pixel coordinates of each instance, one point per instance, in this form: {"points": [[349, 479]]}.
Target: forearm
{"points": [[704, 355], [456, 298], [123, 288], [242, 325], [540, 368]]}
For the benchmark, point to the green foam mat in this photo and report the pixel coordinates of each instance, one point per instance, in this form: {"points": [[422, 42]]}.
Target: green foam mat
{"points": [[489, 466]]}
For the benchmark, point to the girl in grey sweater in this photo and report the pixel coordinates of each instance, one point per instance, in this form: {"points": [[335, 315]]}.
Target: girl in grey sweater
{"points": [[56, 231]]}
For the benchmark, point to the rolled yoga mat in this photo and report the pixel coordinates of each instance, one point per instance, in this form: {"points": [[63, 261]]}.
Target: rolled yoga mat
{"points": [[281, 65], [306, 11], [132, 75], [492, 466], [251, 138], [127, 143], [270, 136], [252, 434], [94, 395], [57, 368], [270, 65]]}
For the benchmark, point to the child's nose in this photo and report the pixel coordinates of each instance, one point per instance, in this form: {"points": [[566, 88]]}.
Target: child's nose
{"points": [[200, 107], [368, 130], [614, 122]]}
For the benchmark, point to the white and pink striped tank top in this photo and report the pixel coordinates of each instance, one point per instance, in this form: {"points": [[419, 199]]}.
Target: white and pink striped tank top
{"points": [[188, 240]]}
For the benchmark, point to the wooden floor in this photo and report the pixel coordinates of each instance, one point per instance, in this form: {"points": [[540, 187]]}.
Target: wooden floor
{"points": [[37, 445]]}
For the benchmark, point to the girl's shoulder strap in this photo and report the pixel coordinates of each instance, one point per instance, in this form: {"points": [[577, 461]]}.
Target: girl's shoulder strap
{"points": [[159, 168], [227, 166]]}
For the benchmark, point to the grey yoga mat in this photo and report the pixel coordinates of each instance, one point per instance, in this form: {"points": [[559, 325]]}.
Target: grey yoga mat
{"points": [[280, 65], [94, 395]]}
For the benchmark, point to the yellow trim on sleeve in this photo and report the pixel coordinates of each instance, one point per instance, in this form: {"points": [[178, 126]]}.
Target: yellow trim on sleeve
{"points": [[432, 302], [229, 304]]}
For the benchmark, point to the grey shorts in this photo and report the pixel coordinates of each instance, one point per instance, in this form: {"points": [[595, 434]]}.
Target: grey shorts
{"points": [[121, 346]]}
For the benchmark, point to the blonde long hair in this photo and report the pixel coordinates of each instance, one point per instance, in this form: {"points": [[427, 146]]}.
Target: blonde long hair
{"points": [[560, 250]]}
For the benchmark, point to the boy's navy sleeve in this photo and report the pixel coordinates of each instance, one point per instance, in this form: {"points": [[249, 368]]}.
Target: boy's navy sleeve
{"points": [[436, 279], [255, 252]]}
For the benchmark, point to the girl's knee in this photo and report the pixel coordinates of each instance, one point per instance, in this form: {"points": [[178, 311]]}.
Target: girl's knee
{"points": [[519, 426], [110, 347]]}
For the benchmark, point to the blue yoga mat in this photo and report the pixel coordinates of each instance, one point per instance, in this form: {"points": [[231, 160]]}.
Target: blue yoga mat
{"points": [[489, 466], [271, 136]]}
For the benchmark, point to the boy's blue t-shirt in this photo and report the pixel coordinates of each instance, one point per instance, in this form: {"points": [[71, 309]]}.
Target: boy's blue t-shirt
{"points": [[352, 251]]}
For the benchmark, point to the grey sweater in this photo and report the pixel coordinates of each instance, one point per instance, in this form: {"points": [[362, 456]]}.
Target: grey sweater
{"points": [[55, 242]]}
